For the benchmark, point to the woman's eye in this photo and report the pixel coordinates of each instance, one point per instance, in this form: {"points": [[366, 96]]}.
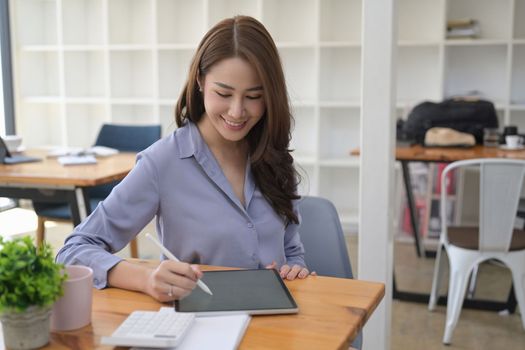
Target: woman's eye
{"points": [[222, 95], [254, 97]]}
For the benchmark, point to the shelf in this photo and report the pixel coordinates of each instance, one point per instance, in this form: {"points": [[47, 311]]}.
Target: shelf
{"points": [[82, 22], [84, 123], [340, 104], [341, 187], [517, 107], [39, 48], [352, 44], [39, 74], [339, 132], [340, 75], [131, 74], [518, 118], [84, 74], [518, 76], [304, 136], [418, 73], [42, 99], [173, 72], [307, 179], [420, 20], [284, 23], [347, 162], [220, 9], [416, 43], [476, 42], [296, 62], [492, 16], [130, 21], [42, 16], [519, 20], [180, 21], [85, 100], [477, 68], [41, 125], [340, 21], [133, 114]]}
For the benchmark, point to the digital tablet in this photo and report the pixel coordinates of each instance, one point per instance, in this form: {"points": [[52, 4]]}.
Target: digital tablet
{"points": [[256, 292]]}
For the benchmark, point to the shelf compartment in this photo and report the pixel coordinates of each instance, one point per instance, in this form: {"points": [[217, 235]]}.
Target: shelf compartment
{"points": [[84, 123], [340, 21], [180, 21], [518, 75], [221, 9], [304, 137], [519, 19], [82, 22], [492, 16], [42, 16], [84, 74], [340, 129], [307, 180], [130, 21], [131, 74], [477, 68], [418, 73], [133, 115], [39, 74], [340, 76], [420, 20], [341, 187], [167, 119], [173, 72], [299, 65], [282, 20], [40, 124]]}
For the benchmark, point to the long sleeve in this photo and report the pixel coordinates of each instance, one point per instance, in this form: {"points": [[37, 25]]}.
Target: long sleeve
{"points": [[116, 221], [293, 248]]}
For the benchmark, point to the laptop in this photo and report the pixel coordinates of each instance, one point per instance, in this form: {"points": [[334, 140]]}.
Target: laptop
{"points": [[7, 158]]}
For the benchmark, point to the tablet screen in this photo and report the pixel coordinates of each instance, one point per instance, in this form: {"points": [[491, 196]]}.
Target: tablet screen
{"points": [[234, 291]]}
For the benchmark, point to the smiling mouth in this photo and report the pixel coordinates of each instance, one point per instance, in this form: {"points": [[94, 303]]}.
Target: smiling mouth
{"points": [[234, 125]]}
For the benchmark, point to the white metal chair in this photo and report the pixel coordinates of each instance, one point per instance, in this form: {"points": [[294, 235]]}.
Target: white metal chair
{"points": [[500, 186]]}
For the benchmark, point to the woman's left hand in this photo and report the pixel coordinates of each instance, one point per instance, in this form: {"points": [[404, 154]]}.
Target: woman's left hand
{"points": [[291, 273]]}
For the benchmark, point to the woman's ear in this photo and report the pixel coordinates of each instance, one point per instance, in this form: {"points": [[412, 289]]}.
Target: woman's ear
{"points": [[200, 81]]}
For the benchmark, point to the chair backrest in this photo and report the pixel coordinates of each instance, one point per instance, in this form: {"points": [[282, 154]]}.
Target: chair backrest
{"points": [[323, 239], [125, 138], [500, 186], [128, 138]]}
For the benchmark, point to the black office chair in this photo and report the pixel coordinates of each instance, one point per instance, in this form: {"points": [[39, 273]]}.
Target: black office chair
{"points": [[125, 138], [324, 242]]}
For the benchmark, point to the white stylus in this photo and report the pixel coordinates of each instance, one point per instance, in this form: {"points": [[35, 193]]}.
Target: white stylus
{"points": [[170, 256]]}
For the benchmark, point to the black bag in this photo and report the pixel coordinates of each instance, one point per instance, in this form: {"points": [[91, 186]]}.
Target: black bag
{"points": [[461, 115]]}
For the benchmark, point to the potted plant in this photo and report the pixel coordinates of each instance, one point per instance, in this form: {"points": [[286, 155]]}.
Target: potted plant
{"points": [[30, 282]]}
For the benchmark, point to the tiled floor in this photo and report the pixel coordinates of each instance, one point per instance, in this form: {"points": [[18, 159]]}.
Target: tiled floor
{"points": [[413, 326]]}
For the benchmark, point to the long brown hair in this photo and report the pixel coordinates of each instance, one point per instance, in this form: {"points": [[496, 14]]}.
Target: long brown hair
{"points": [[271, 162]]}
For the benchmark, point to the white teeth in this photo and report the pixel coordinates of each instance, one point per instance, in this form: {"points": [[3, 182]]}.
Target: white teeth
{"points": [[233, 123]]}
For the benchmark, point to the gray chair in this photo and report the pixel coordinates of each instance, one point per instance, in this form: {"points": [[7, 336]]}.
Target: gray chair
{"points": [[324, 242]]}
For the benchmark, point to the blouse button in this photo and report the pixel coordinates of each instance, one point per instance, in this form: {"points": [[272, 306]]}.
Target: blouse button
{"points": [[250, 225]]}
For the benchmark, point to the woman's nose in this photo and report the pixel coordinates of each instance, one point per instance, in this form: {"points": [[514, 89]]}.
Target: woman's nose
{"points": [[236, 109]]}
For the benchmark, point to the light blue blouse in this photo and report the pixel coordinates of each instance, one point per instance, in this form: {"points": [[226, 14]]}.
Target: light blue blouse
{"points": [[198, 216]]}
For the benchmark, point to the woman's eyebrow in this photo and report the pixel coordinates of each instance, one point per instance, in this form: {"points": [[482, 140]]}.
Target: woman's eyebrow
{"points": [[225, 86]]}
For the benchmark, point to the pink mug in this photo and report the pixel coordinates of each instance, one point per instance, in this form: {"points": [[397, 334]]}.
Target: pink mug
{"points": [[73, 309]]}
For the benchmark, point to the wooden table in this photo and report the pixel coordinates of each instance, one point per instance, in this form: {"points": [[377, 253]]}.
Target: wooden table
{"points": [[331, 313], [50, 181], [418, 153]]}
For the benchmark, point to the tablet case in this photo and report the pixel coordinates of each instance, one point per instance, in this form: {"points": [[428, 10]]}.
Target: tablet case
{"points": [[256, 292]]}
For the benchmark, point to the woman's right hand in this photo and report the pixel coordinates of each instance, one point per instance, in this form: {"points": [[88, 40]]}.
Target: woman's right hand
{"points": [[172, 280]]}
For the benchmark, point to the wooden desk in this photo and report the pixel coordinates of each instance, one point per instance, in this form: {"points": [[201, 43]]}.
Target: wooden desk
{"points": [[331, 313], [50, 181]]}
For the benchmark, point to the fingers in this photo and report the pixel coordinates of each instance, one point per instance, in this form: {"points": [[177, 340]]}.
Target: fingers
{"points": [[291, 273], [172, 280], [273, 265]]}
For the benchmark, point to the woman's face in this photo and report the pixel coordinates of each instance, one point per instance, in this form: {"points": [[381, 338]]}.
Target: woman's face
{"points": [[233, 98]]}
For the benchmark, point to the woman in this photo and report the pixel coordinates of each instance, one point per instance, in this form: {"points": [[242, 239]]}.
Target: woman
{"points": [[223, 186]]}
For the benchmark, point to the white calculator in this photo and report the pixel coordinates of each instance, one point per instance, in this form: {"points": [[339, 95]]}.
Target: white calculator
{"points": [[154, 329]]}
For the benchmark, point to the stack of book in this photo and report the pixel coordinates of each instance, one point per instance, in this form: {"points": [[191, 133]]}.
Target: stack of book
{"points": [[462, 28]]}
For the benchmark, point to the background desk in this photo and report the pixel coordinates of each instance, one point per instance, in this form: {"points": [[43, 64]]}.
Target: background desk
{"points": [[331, 313], [50, 181]]}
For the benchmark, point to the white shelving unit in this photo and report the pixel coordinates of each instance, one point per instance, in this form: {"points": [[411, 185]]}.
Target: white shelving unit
{"points": [[79, 63]]}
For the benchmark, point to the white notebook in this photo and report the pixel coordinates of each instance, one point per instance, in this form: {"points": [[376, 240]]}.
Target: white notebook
{"points": [[215, 332]]}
